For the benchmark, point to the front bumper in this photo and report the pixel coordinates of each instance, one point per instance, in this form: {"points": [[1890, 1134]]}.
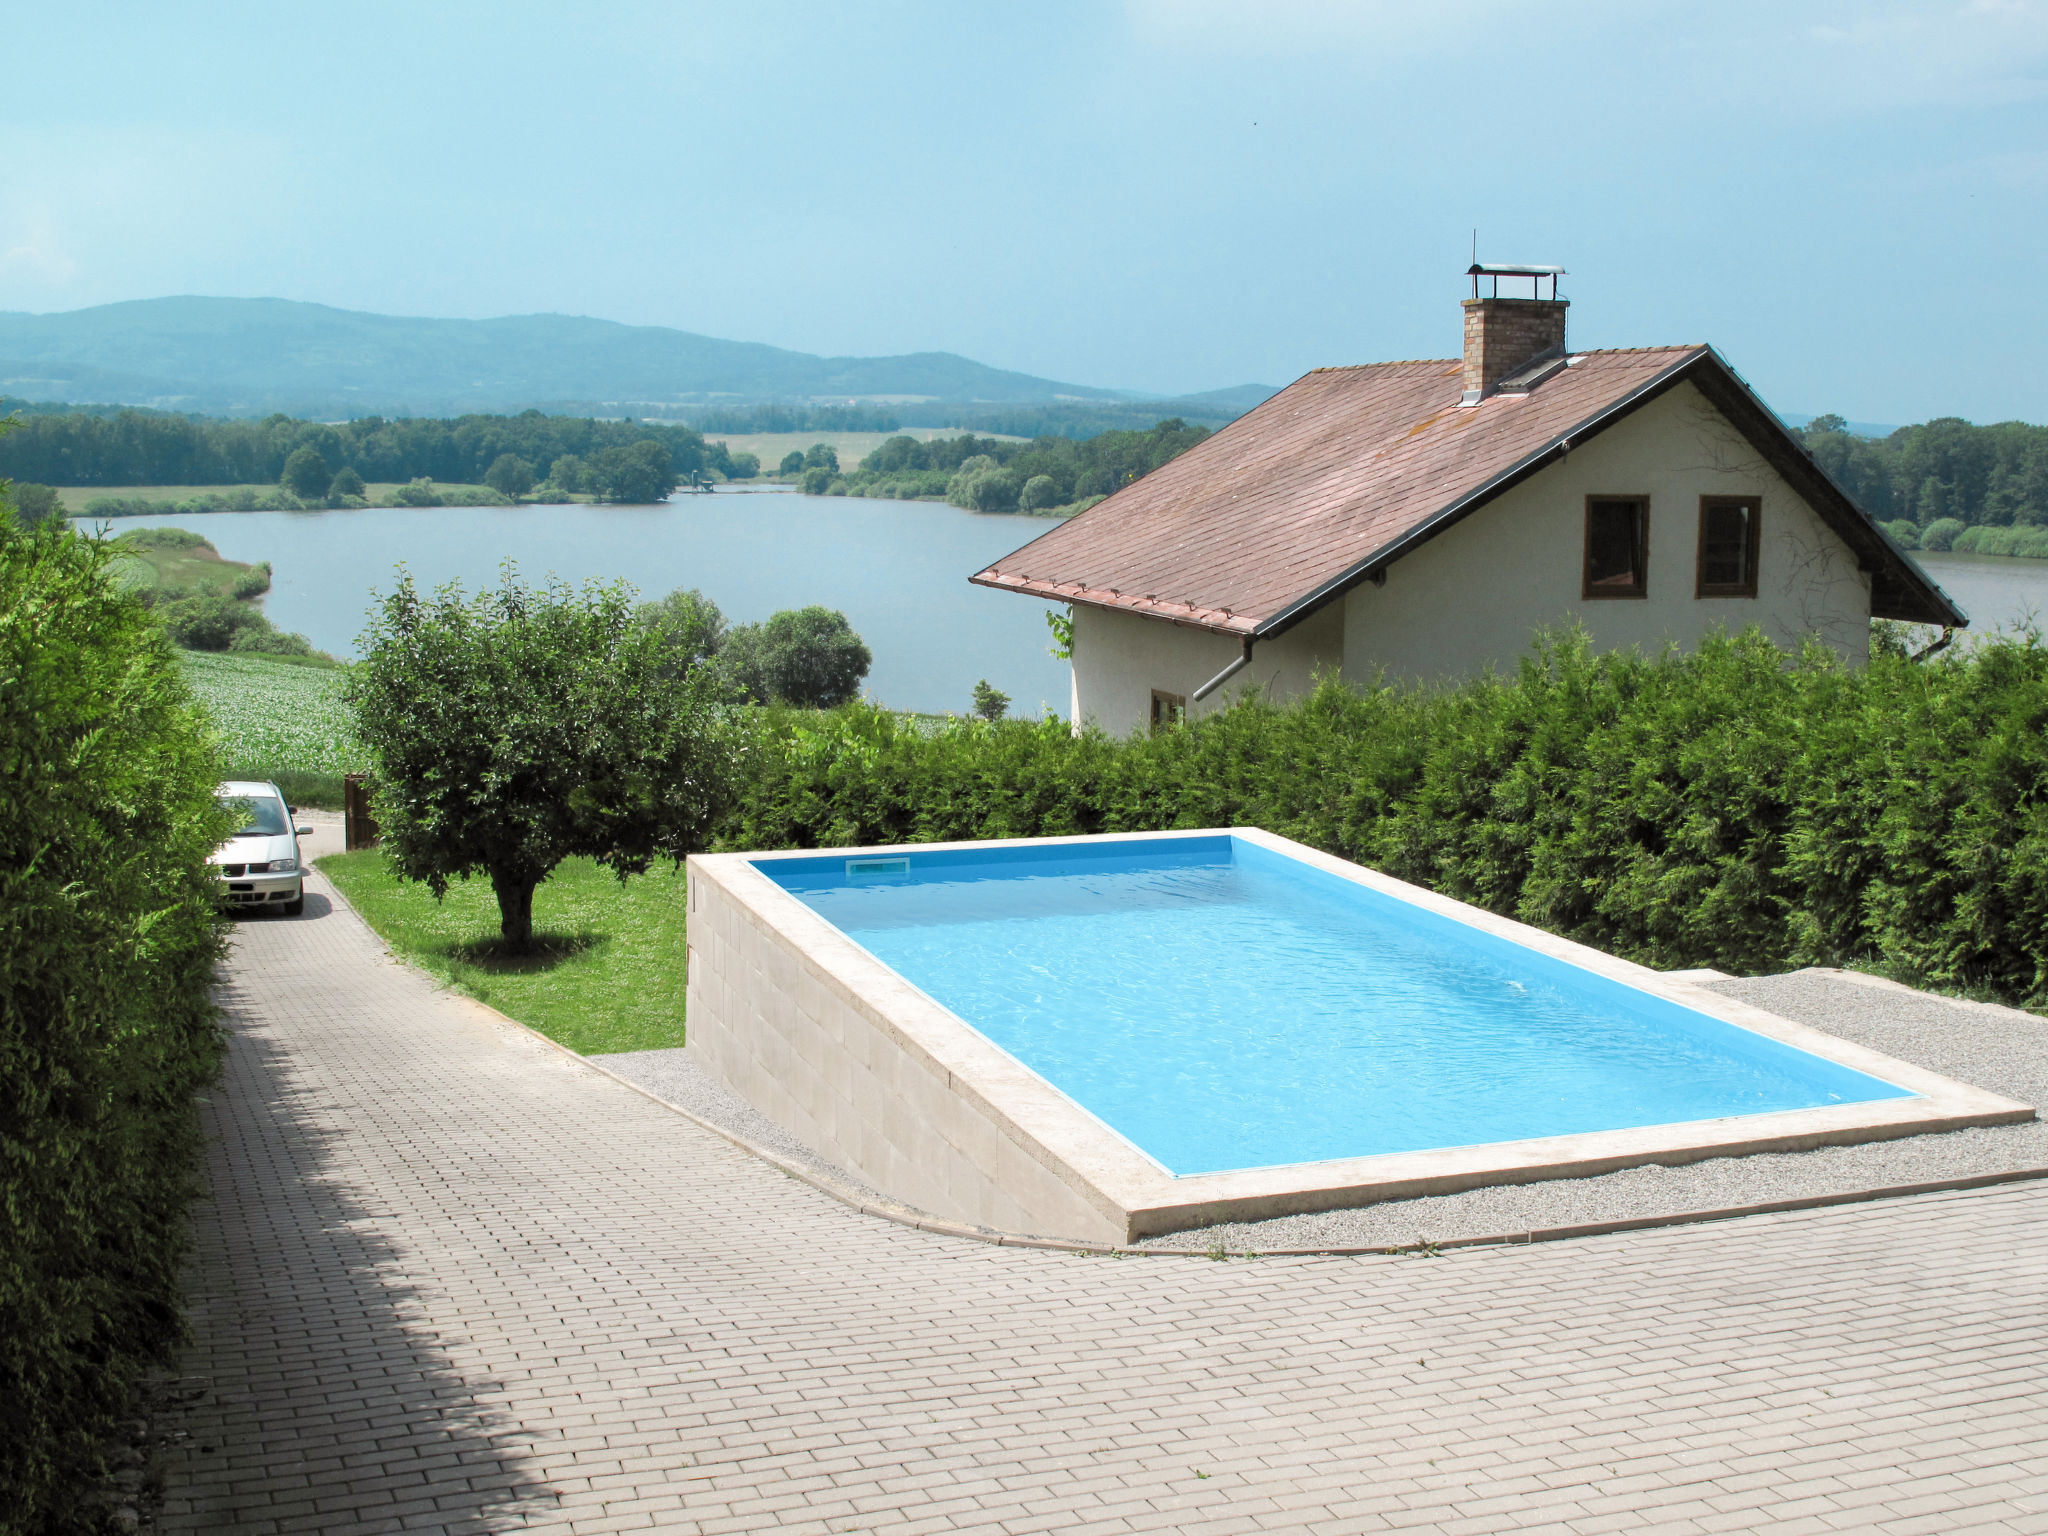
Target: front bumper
{"points": [[261, 890]]}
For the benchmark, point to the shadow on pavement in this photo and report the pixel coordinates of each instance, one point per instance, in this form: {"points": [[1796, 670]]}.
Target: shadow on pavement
{"points": [[314, 1394]]}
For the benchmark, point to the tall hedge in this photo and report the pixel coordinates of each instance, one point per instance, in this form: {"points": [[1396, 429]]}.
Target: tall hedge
{"points": [[1734, 806], [108, 939]]}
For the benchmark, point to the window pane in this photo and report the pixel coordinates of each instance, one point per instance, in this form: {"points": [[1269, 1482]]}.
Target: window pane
{"points": [[1724, 549], [1614, 547]]}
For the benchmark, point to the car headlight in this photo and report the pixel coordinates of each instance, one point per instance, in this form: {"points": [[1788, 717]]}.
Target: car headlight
{"points": [[283, 866]]}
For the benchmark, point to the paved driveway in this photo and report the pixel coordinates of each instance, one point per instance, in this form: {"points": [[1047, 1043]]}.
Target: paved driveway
{"points": [[451, 1279]]}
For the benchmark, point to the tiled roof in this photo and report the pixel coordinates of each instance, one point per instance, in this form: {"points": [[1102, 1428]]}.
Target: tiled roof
{"points": [[1267, 517]]}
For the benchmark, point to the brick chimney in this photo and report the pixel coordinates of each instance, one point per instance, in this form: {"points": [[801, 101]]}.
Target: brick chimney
{"points": [[1505, 337]]}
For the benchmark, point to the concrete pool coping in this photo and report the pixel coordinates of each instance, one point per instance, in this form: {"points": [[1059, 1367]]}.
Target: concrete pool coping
{"points": [[874, 1076]]}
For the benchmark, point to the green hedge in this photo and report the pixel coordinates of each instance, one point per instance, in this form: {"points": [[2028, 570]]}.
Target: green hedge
{"points": [[108, 939], [1733, 807]]}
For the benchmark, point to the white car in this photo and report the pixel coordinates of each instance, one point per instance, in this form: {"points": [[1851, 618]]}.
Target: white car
{"points": [[259, 865]]}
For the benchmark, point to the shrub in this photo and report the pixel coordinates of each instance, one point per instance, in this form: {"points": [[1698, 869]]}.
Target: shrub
{"points": [[1940, 534], [1904, 532], [1040, 492], [2021, 543], [208, 621], [106, 1028], [1732, 807], [415, 493], [255, 582], [346, 482], [815, 481], [792, 464], [35, 503], [805, 656]]}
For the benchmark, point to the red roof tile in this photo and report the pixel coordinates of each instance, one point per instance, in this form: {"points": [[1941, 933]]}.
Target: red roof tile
{"points": [[1254, 522]]}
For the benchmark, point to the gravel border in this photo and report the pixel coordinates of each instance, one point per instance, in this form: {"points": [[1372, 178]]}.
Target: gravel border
{"points": [[2000, 1049]]}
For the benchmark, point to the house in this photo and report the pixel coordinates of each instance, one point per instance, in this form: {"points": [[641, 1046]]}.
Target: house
{"points": [[1422, 520]]}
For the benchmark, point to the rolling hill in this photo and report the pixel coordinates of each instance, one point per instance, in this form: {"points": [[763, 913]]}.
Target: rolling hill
{"points": [[258, 355]]}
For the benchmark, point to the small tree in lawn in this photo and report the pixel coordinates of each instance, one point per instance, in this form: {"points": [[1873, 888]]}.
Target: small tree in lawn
{"points": [[990, 702], [520, 727]]}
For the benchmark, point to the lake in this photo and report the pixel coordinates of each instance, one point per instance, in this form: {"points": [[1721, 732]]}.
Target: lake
{"points": [[897, 569], [1996, 593]]}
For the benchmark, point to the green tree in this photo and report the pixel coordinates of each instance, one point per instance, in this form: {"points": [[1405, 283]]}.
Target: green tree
{"points": [[792, 463], [822, 456], [524, 726], [509, 475], [742, 466], [209, 621], [815, 481], [990, 703], [805, 656], [635, 475], [1940, 534], [689, 627], [1040, 492], [568, 474], [306, 474], [346, 482]]}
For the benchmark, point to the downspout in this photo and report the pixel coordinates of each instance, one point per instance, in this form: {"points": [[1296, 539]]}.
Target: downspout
{"points": [[1947, 634], [1226, 674]]}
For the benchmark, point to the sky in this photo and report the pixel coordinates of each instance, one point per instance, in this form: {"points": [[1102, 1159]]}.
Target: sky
{"points": [[1167, 195]]}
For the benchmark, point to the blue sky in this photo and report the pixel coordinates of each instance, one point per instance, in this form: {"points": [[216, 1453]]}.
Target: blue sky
{"points": [[1167, 194]]}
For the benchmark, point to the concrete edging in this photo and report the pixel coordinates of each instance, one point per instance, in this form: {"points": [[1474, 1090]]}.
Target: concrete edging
{"points": [[855, 1198]]}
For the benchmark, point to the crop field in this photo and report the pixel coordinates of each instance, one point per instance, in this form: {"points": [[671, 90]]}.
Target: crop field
{"points": [[274, 716]]}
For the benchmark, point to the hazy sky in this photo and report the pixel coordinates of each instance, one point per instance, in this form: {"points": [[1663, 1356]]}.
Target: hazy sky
{"points": [[1848, 199]]}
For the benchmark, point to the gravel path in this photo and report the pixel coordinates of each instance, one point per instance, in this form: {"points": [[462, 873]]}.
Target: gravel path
{"points": [[2001, 1049]]}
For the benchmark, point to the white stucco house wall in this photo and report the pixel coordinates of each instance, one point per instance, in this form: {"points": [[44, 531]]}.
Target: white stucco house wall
{"points": [[1420, 521]]}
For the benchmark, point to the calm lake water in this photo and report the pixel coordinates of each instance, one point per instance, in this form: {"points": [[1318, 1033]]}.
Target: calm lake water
{"points": [[897, 569], [1996, 593]]}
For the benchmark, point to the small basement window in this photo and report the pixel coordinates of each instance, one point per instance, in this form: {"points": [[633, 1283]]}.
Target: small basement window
{"points": [[1617, 546], [1168, 709], [1728, 546]]}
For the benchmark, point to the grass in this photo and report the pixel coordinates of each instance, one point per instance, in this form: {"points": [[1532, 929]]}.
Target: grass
{"points": [[194, 567], [609, 968]]}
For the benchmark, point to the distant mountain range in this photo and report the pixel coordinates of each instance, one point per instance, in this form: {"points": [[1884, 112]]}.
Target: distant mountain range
{"points": [[254, 356]]}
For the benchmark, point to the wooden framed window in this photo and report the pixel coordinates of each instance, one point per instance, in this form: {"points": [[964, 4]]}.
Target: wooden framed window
{"points": [[1168, 708], [1617, 546], [1729, 528]]}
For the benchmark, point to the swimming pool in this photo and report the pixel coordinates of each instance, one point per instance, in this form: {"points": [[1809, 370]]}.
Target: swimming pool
{"points": [[1221, 1005], [1105, 1037]]}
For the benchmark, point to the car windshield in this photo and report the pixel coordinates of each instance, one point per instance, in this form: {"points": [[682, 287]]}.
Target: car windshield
{"points": [[263, 815]]}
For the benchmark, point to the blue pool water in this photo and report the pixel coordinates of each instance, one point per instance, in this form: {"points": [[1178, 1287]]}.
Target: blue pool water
{"points": [[1224, 1006]]}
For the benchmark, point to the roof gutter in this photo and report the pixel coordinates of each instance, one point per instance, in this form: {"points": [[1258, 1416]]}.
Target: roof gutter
{"points": [[1374, 566]]}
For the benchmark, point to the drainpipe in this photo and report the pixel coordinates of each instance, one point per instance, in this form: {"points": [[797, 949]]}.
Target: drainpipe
{"points": [[1947, 634], [1226, 674]]}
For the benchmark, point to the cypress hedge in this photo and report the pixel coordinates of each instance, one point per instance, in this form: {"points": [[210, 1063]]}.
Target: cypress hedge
{"points": [[1734, 806], [108, 939]]}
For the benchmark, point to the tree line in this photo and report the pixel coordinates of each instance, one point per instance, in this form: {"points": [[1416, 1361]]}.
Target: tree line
{"points": [[152, 448], [1940, 471], [991, 474]]}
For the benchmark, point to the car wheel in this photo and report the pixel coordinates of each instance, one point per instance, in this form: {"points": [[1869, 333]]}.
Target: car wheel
{"points": [[296, 905]]}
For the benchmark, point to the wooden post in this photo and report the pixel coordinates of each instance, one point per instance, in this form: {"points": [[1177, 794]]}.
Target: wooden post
{"points": [[359, 828]]}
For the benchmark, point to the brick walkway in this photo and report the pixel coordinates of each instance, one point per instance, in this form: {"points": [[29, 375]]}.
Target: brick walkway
{"points": [[453, 1280]]}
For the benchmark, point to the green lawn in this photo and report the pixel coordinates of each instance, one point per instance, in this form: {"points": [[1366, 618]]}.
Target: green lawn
{"points": [[609, 971]]}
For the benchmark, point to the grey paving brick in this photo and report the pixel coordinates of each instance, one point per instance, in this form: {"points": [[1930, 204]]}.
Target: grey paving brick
{"points": [[451, 1279]]}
